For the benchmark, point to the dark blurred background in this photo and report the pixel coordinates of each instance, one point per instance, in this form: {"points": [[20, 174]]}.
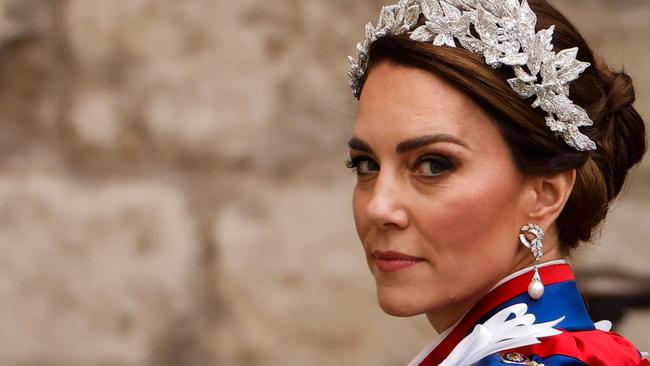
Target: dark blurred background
{"points": [[172, 186]]}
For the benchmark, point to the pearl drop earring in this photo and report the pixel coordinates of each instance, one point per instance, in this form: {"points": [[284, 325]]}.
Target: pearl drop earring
{"points": [[536, 287]]}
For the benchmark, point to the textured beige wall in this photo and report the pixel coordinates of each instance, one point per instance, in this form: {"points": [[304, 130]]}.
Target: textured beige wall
{"points": [[172, 188]]}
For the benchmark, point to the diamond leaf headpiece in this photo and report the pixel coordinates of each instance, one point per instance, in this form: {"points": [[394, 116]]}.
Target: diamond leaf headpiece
{"points": [[506, 36]]}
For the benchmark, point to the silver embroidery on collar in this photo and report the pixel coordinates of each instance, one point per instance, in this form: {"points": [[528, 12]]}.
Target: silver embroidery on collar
{"points": [[506, 36]]}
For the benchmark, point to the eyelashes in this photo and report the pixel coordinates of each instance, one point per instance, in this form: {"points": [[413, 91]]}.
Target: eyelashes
{"points": [[427, 166], [350, 164], [433, 165], [362, 165]]}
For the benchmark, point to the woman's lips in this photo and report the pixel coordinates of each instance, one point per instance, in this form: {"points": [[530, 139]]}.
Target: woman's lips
{"points": [[390, 261]]}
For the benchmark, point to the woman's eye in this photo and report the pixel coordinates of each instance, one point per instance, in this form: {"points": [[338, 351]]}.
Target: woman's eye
{"points": [[432, 166], [362, 165]]}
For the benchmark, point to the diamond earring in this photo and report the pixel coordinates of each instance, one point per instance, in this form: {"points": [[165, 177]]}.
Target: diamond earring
{"points": [[536, 287]]}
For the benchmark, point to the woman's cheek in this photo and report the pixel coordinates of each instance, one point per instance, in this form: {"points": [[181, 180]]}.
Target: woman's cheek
{"points": [[359, 202]]}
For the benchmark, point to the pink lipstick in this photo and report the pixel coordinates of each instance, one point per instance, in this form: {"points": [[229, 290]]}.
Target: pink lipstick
{"points": [[390, 261]]}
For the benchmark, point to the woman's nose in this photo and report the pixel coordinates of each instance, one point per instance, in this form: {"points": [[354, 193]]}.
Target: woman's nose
{"points": [[386, 207]]}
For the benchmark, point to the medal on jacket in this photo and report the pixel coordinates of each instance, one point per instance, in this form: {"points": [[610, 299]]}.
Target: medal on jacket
{"points": [[516, 358]]}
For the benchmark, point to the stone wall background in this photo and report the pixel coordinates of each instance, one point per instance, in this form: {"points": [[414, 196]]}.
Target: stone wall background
{"points": [[172, 188]]}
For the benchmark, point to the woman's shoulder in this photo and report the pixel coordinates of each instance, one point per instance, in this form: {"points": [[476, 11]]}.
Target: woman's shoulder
{"points": [[593, 348]]}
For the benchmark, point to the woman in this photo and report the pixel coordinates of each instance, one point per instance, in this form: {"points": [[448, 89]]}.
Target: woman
{"points": [[489, 143]]}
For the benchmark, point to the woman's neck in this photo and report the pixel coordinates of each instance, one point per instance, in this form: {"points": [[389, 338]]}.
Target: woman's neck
{"points": [[441, 320]]}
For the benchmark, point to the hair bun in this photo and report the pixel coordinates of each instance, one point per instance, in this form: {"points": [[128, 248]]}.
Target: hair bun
{"points": [[621, 92], [622, 142]]}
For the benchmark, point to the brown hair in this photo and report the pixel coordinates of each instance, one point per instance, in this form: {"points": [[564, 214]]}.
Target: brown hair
{"points": [[618, 130]]}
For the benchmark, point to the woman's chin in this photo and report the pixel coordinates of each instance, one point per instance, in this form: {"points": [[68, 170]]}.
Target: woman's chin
{"points": [[401, 306]]}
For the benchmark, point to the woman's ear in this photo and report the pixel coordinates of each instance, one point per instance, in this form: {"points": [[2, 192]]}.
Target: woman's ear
{"points": [[551, 194]]}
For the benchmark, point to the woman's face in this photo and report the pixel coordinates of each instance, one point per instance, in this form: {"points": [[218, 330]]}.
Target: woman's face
{"points": [[438, 202]]}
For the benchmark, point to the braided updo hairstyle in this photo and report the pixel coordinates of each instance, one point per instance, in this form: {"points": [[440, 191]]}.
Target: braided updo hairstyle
{"points": [[606, 95]]}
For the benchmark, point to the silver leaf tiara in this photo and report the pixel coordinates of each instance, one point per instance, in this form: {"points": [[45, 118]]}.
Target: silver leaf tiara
{"points": [[506, 36]]}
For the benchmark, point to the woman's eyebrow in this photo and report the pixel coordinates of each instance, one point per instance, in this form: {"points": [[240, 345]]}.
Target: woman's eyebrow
{"points": [[358, 144], [410, 144], [415, 143]]}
